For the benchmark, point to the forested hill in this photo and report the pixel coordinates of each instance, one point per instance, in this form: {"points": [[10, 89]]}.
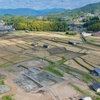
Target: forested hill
{"points": [[29, 12], [91, 8]]}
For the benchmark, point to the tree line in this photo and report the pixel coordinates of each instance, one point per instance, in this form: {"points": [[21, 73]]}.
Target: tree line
{"points": [[34, 24], [93, 24], [40, 26]]}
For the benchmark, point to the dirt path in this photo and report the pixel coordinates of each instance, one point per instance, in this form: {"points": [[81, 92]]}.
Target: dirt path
{"points": [[10, 83]]}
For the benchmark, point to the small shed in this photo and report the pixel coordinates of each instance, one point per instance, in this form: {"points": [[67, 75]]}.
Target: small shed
{"points": [[72, 42], [96, 87], [86, 98], [96, 71], [27, 31], [46, 46], [33, 44]]}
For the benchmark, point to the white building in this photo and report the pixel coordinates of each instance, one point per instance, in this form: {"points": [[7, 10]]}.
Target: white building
{"points": [[86, 98], [86, 34]]}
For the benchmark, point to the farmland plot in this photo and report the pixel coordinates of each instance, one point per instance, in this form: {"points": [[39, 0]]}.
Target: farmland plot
{"points": [[23, 46], [83, 51], [41, 53], [17, 58], [54, 58], [73, 64], [72, 48], [13, 48], [93, 59], [4, 53], [18, 40], [93, 39], [57, 50], [83, 63], [52, 43], [35, 63], [2, 61], [92, 47], [7, 42], [73, 55]]}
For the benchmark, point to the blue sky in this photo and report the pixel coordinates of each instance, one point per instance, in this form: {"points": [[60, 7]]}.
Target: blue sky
{"points": [[45, 4]]}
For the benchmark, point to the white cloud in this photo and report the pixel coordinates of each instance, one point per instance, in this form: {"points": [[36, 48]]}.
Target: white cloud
{"points": [[44, 4]]}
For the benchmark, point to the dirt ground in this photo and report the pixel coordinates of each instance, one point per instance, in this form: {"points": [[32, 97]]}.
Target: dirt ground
{"points": [[2, 61], [71, 48], [4, 53], [83, 63], [15, 46], [54, 58], [73, 64], [61, 90], [93, 59]]}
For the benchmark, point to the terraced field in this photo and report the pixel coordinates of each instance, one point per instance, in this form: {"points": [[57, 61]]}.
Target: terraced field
{"points": [[61, 60]]}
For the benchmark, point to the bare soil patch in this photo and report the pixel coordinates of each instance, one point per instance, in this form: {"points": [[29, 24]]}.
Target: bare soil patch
{"points": [[42, 53], [18, 40], [56, 50], [93, 59], [83, 63], [73, 64], [13, 48], [35, 63], [2, 61], [72, 48], [73, 55], [4, 53], [7, 42], [63, 91], [54, 58], [17, 58]]}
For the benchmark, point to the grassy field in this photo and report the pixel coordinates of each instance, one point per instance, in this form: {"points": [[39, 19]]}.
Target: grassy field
{"points": [[7, 98], [52, 69], [2, 82]]}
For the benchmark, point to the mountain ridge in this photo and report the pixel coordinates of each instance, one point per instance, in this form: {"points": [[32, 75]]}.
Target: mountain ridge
{"points": [[30, 12], [90, 8]]}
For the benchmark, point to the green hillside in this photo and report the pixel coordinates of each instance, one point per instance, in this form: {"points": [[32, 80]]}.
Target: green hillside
{"points": [[91, 8]]}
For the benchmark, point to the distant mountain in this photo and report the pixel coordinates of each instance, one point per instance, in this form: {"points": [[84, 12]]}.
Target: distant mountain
{"points": [[30, 12], [91, 8]]}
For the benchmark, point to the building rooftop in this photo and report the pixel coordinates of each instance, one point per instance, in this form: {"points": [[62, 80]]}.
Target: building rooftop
{"points": [[97, 70], [46, 45], [96, 85]]}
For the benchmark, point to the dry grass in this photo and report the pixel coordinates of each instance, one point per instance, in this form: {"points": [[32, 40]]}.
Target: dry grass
{"points": [[4, 53], [75, 65], [84, 64], [92, 59], [17, 58], [54, 58]]}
